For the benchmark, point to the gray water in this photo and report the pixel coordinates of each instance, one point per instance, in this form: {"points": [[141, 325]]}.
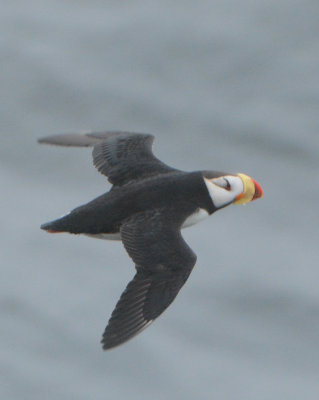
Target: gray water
{"points": [[226, 85]]}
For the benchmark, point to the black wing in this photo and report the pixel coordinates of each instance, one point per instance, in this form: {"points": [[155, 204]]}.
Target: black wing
{"points": [[163, 262], [121, 156]]}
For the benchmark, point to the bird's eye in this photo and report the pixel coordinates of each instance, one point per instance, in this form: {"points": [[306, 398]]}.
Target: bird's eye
{"points": [[222, 182], [227, 186]]}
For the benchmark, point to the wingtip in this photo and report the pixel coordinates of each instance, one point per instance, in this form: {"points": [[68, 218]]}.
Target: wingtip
{"points": [[109, 345], [53, 139], [84, 139], [41, 140], [105, 347], [110, 341]]}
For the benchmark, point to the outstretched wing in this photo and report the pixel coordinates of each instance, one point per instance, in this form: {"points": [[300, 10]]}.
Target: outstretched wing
{"points": [[121, 156], [163, 262]]}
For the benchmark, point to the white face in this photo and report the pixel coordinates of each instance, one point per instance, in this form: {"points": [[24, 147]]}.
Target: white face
{"points": [[224, 190]]}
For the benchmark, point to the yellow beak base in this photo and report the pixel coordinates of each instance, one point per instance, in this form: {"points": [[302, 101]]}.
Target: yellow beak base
{"points": [[249, 190]]}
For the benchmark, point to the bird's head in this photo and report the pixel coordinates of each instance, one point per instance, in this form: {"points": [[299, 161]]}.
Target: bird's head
{"points": [[225, 189]]}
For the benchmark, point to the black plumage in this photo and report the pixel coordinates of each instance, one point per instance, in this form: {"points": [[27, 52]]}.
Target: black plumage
{"points": [[146, 208]]}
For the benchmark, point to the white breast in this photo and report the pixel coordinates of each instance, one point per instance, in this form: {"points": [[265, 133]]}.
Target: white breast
{"points": [[196, 217]]}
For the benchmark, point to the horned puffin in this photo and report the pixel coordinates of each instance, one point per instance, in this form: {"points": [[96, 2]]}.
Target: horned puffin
{"points": [[147, 206]]}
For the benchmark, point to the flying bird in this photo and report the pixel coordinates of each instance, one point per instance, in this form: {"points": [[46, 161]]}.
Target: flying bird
{"points": [[147, 206]]}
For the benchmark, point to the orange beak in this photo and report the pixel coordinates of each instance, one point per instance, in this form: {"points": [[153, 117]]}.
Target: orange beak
{"points": [[252, 190], [258, 191]]}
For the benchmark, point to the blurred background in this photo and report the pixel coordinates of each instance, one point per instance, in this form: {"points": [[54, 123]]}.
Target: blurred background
{"points": [[225, 85]]}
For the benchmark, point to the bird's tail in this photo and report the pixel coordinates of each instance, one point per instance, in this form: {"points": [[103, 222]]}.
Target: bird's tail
{"points": [[82, 219], [59, 225]]}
